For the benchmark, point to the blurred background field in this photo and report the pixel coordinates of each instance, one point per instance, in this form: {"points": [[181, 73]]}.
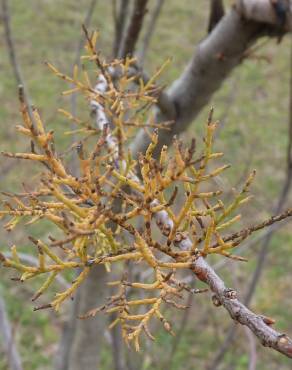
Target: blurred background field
{"points": [[253, 108]]}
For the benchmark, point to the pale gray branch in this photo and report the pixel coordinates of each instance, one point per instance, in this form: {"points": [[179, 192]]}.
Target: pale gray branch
{"points": [[12, 52], [149, 32], [267, 236], [6, 334], [212, 62], [120, 19], [239, 312], [274, 12]]}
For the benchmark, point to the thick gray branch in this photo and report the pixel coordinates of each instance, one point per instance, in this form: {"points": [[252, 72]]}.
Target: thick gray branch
{"points": [[212, 62]]}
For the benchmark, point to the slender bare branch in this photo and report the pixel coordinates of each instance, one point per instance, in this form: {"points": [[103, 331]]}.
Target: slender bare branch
{"points": [[120, 20], [149, 31], [250, 243], [132, 34], [239, 312], [12, 52]]}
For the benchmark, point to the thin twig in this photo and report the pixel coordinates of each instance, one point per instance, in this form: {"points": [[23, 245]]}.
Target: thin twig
{"points": [[73, 98], [149, 32], [250, 243], [34, 261], [120, 20], [12, 52], [134, 28]]}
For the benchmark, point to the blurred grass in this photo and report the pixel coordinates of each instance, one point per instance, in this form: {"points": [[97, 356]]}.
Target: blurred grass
{"points": [[254, 104]]}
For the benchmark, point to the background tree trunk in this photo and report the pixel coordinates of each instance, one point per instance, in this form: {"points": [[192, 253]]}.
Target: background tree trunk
{"points": [[81, 338]]}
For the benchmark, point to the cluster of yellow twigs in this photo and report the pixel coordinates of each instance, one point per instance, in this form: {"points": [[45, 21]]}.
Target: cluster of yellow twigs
{"points": [[109, 212]]}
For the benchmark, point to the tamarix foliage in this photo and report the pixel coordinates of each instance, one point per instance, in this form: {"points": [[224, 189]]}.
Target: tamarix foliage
{"points": [[154, 212]]}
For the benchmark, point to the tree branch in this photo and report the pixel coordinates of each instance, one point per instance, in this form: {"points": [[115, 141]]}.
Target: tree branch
{"points": [[149, 32], [12, 53], [273, 12], [120, 19], [214, 59], [134, 28], [268, 234], [258, 324], [34, 261]]}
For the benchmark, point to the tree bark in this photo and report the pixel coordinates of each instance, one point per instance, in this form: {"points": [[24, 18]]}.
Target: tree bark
{"points": [[212, 62]]}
